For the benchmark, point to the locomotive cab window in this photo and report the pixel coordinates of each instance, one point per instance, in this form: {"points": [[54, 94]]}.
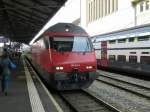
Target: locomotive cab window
{"points": [[71, 44]]}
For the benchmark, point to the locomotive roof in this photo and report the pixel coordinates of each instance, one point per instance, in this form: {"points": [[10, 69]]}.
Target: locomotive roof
{"points": [[61, 27]]}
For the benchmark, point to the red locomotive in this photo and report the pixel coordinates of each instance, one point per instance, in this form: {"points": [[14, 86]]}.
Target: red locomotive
{"points": [[64, 56]]}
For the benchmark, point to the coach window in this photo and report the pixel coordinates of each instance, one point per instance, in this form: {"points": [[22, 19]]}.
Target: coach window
{"points": [[133, 59], [112, 41], [121, 58], [121, 40], [131, 39], [143, 38], [145, 59], [112, 58]]}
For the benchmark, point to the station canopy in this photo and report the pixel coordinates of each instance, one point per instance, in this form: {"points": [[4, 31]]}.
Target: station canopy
{"points": [[21, 20]]}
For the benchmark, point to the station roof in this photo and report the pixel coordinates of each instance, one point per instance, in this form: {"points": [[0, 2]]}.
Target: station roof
{"points": [[21, 20]]}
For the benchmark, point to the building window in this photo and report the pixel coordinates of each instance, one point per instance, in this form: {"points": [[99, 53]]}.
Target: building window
{"points": [[143, 38], [145, 59], [109, 7], [112, 41], [132, 52], [100, 11], [112, 58], [145, 52], [133, 59], [147, 5], [131, 39], [121, 58], [121, 40], [141, 7], [89, 12], [100, 8], [112, 5], [94, 10]]}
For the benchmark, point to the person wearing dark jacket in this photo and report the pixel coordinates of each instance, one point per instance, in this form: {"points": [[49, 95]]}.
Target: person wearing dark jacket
{"points": [[5, 63]]}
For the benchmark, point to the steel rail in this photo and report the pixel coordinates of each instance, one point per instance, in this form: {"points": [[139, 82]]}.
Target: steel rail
{"points": [[79, 102]]}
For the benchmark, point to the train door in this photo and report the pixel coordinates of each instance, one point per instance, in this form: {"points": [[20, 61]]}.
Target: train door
{"points": [[103, 60]]}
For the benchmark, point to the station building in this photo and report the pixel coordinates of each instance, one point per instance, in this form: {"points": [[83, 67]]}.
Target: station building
{"points": [[103, 16]]}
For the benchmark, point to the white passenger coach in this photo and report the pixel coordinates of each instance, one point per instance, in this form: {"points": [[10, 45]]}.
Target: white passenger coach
{"points": [[127, 49]]}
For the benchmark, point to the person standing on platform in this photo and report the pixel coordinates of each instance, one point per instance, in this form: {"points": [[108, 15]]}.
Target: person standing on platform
{"points": [[5, 75]]}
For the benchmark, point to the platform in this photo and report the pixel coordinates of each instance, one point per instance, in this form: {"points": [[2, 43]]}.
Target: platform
{"points": [[26, 93]]}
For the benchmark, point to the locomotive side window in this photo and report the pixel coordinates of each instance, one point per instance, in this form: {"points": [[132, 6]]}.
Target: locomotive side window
{"points": [[112, 58], [71, 44], [145, 59], [121, 58], [42, 43], [133, 59], [46, 43]]}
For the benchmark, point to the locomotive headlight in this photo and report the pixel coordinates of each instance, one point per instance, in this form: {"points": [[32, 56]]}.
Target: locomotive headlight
{"points": [[59, 68], [67, 29], [89, 67]]}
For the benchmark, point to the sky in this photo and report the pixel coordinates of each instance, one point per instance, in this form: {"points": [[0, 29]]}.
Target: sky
{"points": [[67, 13]]}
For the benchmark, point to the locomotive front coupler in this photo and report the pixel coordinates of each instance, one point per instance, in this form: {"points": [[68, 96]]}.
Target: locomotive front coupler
{"points": [[74, 75]]}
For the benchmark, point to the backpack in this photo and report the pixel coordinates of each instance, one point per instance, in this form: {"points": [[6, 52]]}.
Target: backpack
{"points": [[12, 66]]}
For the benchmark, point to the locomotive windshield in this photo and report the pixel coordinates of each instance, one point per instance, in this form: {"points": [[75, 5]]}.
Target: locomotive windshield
{"points": [[70, 44]]}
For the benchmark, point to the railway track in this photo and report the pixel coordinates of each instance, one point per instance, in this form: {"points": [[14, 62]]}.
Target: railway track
{"points": [[130, 86], [81, 101]]}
